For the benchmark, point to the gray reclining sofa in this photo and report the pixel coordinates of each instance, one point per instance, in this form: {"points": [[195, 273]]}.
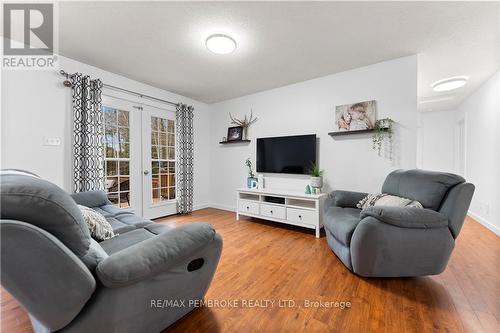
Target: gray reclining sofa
{"points": [[142, 280], [385, 241]]}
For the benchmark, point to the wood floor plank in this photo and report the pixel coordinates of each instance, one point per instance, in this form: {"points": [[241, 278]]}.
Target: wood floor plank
{"points": [[264, 260]]}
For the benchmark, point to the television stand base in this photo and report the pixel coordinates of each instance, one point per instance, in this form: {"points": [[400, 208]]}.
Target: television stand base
{"points": [[289, 207]]}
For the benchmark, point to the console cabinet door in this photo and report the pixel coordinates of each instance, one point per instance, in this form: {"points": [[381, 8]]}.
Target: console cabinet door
{"points": [[277, 212]]}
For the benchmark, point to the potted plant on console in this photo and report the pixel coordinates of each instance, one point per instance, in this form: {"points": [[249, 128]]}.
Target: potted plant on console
{"points": [[316, 177], [251, 180]]}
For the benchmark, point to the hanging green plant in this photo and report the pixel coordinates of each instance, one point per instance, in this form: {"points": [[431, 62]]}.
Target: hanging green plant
{"points": [[381, 130]]}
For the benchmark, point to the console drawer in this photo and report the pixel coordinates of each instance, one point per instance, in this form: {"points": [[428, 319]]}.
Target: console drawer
{"points": [[300, 215], [247, 206], [272, 211]]}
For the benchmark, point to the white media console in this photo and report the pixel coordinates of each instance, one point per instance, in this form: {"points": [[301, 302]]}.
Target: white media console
{"points": [[304, 210]]}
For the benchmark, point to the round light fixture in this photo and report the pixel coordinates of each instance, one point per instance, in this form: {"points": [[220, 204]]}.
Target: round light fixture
{"points": [[450, 83], [220, 44]]}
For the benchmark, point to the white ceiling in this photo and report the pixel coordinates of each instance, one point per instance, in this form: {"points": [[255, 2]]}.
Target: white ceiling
{"points": [[279, 43]]}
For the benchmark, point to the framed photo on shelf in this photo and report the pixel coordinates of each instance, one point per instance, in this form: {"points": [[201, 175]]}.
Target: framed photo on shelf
{"points": [[235, 133], [355, 117]]}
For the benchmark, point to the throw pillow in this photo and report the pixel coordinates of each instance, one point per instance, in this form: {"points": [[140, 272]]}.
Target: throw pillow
{"points": [[99, 227], [383, 199]]}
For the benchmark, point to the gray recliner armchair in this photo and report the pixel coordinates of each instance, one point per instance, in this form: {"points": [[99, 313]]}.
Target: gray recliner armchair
{"points": [[142, 280], [386, 241]]}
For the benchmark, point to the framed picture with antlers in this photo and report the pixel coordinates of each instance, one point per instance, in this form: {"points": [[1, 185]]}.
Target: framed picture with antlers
{"points": [[235, 133]]}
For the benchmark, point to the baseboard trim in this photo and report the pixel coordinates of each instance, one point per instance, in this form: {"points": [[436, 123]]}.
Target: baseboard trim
{"points": [[223, 207], [201, 206], [484, 222]]}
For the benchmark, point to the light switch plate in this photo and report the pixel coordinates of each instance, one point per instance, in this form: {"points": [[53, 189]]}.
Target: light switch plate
{"points": [[47, 141]]}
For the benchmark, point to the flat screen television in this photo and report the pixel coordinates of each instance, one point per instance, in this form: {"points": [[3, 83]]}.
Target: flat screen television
{"points": [[286, 154]]}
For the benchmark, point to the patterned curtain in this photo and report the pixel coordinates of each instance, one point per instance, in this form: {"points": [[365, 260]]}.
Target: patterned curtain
{"points": [[184, 124], [88, 165]]}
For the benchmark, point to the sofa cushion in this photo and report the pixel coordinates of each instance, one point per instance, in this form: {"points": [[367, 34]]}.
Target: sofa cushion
{"points": [[341, 222], [45, 205], [119, 227], [133, 220], [111, 211], [427, 187], [159, 228], [122, 220], [125, 240]]}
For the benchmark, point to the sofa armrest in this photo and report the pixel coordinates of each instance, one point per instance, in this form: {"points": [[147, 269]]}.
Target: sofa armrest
{"points": [[91, 198], [406, 217], [155, 255], [346, 198]]}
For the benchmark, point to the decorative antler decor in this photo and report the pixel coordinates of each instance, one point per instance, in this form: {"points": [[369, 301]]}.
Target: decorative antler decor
{"points": [[245, 122]]}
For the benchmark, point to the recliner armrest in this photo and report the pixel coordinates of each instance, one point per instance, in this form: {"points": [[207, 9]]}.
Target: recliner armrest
{"points": [[407, 217], [155, 255], [342, 198]]}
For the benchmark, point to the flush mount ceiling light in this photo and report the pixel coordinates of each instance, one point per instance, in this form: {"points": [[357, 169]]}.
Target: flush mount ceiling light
{"points": [[220, 44], [450, 83]]}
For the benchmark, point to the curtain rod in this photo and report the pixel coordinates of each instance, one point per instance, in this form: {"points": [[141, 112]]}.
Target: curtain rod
{"points": [[67, 75]]}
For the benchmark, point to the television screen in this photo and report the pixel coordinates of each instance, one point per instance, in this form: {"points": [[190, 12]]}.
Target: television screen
{"points": [[286, 154]]}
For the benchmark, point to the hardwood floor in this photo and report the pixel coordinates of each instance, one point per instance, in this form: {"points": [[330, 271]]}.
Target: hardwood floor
{"points": [[266, 261]]}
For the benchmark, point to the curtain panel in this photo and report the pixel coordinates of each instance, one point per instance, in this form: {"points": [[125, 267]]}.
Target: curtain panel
{"points": [[88, 159], [184, 124]]}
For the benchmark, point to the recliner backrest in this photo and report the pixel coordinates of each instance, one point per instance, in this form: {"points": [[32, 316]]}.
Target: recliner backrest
{"points": [[91, 198], [36, 201], [427, 187]]}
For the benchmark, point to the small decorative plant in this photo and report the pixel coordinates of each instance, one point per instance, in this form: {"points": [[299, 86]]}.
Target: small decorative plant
{"points": [[316, 175], [248, 163], [382, 129], [315, 171], [251, 176], [245, 123]]}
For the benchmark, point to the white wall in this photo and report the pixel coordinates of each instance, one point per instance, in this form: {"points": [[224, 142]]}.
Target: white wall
{"points": [[482, 165], [35, 104], [437, 141], [308, 107]]}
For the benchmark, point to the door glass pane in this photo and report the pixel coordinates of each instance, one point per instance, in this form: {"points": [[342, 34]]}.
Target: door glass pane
{"points": [[156, 195], [171, 126], [164, 194], [123, 118], [124, 150], [171, 193], [124, 168], [163, 139], [162, 159], [117, 155], [171, 140]]}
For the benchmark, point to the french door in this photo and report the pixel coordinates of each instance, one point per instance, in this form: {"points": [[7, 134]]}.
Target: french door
{"points": [[158, 162], [139, 157]]}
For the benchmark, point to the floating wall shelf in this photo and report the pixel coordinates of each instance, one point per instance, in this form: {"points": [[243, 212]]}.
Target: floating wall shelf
{"points": [[354, 132], [234, 141]]}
